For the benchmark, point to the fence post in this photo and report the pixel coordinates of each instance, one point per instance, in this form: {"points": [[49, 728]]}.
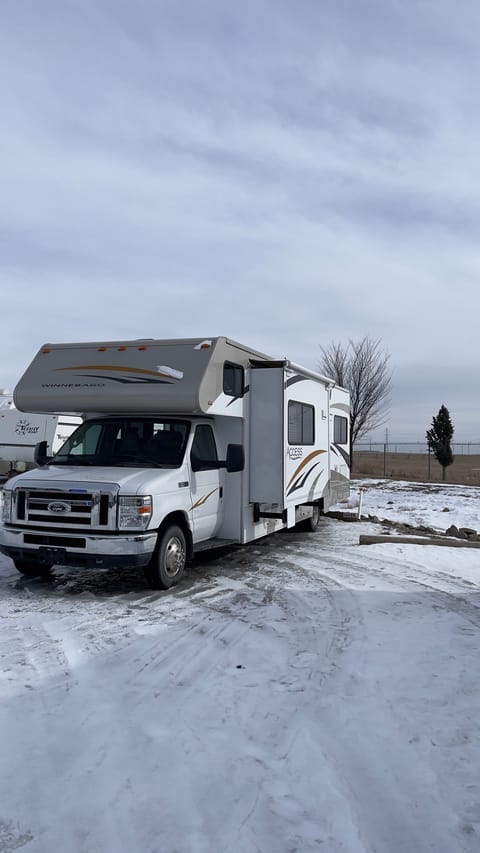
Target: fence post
{"points": [[360, 499]]}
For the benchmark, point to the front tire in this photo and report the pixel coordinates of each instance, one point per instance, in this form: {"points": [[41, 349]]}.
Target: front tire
{"points": [[168, 562], [31, 569]]}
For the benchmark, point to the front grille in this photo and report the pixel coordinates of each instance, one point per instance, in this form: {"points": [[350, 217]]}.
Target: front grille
{"points": [[104, 504], [62, 541], [64, 509], [35, 515], [21, 505]]}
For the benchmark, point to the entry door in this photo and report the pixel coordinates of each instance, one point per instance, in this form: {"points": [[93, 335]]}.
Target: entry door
{"points": [[206, 484]]}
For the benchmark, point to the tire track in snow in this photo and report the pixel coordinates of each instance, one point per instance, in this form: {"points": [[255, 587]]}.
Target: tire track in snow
{"points": [[266, 661]]}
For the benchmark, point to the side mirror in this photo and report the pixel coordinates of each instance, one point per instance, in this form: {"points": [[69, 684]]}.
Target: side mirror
{"points": [[40, 454], [235, 458]]}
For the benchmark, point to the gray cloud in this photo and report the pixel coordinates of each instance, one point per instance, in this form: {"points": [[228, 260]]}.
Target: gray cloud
{"points": [[286, 174], [420, 392]]}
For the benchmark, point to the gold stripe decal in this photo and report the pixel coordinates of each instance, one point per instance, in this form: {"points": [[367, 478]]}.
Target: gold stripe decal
{"points": [[303, 463], [204, 499], [115, 368]]}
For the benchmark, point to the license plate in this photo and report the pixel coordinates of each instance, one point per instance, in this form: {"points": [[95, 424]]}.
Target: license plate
{"points": [[52, 555]]}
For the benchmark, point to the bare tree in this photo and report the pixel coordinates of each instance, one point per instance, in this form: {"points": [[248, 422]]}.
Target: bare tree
{"points": [[362, 367]]}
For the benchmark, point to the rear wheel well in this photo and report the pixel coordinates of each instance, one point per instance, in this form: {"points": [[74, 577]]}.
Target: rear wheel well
{"points": [[312, 521], [180, 519]]}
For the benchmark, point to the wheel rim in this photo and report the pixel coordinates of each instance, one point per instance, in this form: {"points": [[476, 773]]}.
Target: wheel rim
{"points": [[316, 515], [174, 556]]}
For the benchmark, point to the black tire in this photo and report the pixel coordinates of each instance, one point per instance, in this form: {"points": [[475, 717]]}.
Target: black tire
{"points": [[312, 524], [31, 569], [168, 562]]}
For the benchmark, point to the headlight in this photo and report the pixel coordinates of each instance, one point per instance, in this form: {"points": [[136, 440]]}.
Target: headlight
{"points": [[134, 512], [7, 506]]}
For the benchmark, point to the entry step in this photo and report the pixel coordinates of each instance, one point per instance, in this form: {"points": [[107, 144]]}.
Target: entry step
{"points": [[209, 544]]}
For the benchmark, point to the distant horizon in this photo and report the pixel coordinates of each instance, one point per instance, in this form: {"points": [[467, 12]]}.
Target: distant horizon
{"points": [[392, 439]]}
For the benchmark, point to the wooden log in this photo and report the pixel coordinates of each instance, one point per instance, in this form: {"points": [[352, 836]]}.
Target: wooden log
{"points": [[418, 540]]}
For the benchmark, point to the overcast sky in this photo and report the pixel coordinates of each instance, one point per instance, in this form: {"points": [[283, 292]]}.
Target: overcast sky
{"points": [[283, 173]]}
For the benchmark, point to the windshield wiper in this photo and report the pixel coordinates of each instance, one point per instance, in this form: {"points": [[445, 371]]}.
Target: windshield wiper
{"points": [[135, 457], [70, 460], [113, 461]]}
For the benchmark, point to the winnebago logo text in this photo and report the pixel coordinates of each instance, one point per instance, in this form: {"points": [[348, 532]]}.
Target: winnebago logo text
{"points": [[24, 427], [73, 384]]}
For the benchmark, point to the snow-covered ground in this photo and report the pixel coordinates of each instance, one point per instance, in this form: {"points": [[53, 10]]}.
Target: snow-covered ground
{"points": [[430, 504], [303, 693]]}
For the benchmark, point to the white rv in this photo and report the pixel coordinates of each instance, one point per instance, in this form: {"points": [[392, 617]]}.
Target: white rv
{"points": [[185, 444], [21, 432]]}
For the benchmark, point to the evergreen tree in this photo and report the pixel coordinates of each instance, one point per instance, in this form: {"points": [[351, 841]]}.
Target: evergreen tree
{"points": [[439, 438]]}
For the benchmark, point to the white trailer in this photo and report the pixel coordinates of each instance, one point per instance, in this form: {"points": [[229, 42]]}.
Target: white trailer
{"points": [[20, 433], [184, 444]]}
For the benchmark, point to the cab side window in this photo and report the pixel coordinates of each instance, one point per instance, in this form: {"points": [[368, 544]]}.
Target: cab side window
{"points": [[204, 450]]}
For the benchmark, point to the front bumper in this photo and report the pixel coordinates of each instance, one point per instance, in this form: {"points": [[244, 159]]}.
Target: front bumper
{"points": [[126, 550]]}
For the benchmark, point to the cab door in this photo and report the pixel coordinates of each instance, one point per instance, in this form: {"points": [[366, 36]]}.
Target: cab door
{"points": [[206, 484]]}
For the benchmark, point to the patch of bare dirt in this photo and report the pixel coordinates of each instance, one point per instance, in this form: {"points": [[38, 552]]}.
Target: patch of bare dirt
{"points": [[465, 469]]}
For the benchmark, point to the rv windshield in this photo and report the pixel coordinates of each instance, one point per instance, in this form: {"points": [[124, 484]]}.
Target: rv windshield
{"points": [[126, 442]]}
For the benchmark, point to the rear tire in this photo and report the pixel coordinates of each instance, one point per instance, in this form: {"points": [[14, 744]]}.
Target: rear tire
{"points": [[312, 524], [31, 569], [168, 562]]}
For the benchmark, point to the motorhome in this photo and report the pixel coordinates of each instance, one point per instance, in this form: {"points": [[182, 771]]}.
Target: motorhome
{"points": [[20, 432], [184, 444]]}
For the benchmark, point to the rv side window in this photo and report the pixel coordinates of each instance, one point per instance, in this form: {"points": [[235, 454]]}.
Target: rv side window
{"points": [[301, 423], [233, 384], [340, 429], [204, 449]]}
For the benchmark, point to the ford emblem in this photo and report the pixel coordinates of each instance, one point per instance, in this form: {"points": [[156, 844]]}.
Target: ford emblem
{"points": [[58, 506]]}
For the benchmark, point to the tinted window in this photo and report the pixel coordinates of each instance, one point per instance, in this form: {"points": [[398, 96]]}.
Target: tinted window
{"points": [[204, 449], [128, 442], [340, 429], [301, 423], [86, 442], [233, 379]]}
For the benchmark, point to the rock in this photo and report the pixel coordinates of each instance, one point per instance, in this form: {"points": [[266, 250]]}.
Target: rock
{"points": [[446, 509], [342, 516], [452, 531], [468, 531]]}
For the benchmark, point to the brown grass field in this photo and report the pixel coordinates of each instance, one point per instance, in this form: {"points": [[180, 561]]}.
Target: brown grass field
{"points": [[465, 469]]}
